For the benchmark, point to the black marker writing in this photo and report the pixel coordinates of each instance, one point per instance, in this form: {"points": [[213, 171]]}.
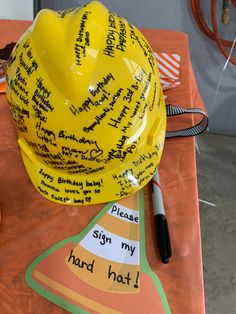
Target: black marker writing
{"points": [[100, 235], [109, 50], [122, 37], [114, 122], [80, 263], [101, 84], [82, 39], [100, 117], [120, 278], [28, 68], [45, 134], [45, 184], [45, 175], [128, 247], [116, 211]]}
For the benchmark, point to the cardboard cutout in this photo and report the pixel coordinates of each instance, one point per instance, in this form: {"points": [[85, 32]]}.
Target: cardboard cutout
{"points": [[103, 269]]}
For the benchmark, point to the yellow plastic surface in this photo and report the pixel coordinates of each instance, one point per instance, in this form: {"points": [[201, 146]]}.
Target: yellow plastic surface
{"points": [[84, 91]]}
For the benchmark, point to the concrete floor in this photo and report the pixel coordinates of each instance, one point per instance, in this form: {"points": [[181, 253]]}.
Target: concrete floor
{"points": [[216, 166]]}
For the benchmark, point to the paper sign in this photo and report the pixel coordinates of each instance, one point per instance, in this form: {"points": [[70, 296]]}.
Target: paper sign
{"points": [[104, 268]]}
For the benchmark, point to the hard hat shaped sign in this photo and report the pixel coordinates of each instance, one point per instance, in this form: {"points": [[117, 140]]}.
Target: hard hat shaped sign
{"points": [[84, 91]]}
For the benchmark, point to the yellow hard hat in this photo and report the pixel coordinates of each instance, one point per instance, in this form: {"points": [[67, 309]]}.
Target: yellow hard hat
{"points": [[84, 91]]}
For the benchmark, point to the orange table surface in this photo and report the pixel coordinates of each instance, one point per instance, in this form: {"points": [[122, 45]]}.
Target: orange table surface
{"points": [[31, 224]]}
